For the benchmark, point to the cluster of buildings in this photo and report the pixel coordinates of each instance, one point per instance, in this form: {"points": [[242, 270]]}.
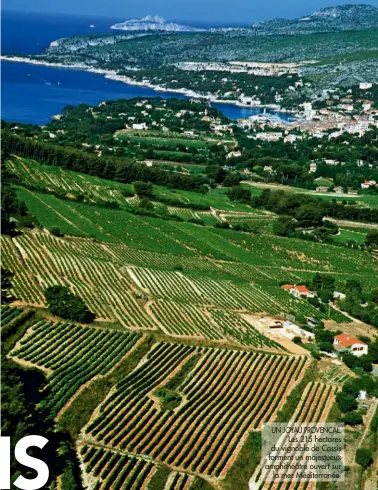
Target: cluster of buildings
{"points": [[342, 342], [251, 68], [285, 328]]}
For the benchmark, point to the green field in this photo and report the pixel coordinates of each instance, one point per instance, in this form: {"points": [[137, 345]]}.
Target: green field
{"points": [[179, 352], [349, 235]]}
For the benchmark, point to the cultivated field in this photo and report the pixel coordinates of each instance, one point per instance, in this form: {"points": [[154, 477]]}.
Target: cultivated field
{"points": [[70, 356], [220, 396], [203, 301], [171, 381]]}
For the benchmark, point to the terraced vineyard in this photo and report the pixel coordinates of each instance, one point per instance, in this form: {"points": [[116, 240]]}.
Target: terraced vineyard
{"points": [[71, 355], [179, 481], [8, 314], [221, 293], [43, 261], [224, 396], [314, 406], [191, 321], [115, 471], [175, 377], [107, 289], [25, 285], [191, 304], [72, 183]]}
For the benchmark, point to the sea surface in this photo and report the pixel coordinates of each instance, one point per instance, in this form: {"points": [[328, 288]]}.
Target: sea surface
{"points": [[33, 94]]}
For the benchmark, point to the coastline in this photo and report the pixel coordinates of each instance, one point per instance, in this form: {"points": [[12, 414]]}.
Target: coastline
{"points": [[113, 75]]}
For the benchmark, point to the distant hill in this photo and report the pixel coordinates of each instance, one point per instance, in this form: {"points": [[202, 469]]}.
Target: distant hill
{"points": [[331, 19], [153, 23]]}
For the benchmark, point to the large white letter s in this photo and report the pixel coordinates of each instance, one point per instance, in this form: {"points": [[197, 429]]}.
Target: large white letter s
{"points": [[39, 466]]}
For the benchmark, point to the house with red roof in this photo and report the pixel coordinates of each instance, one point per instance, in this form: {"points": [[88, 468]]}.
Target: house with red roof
{"points": [[348, 343], [298, 291]]}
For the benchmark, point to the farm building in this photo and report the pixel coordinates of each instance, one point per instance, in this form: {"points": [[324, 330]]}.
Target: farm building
{"points": [[288, 329], [298, 291], [345, 342], [276, 322]]}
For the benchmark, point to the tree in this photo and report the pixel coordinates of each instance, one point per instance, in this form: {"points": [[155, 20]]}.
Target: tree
{"points": [[238, 193], [371, 239], [232, 179], [309, 216], [143, 189], [364, 457], [284, 226], [322, 234], [365, 363], [326, 346], [353, 286], [325, 295], [346, 402], [63, 303], [352, 418], [216, 173], [352, 387], [349, 359], [317, 282]]}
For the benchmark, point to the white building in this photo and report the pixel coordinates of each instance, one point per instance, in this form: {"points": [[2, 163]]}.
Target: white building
{"points": [[338, 295], [298, 291], [368, 183], [347, 343], [141, 126], [365, 85], [269, 136], [233, 154], [249, 100], [308, 111], [313, 167]]}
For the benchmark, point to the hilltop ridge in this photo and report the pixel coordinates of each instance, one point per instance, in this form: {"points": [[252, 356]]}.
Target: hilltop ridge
{"points": [[330, 19]]}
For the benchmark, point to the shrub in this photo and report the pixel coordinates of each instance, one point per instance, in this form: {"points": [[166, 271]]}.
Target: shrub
{"points": [[54, 230], [144, 203]]}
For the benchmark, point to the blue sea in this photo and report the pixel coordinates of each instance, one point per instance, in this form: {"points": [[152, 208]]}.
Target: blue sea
{"points": [[33, 94]]}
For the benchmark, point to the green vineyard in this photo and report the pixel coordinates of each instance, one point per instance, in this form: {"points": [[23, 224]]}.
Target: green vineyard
{"points": [[314, 406], [223, 395], [70, 356], [115, 471]]}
